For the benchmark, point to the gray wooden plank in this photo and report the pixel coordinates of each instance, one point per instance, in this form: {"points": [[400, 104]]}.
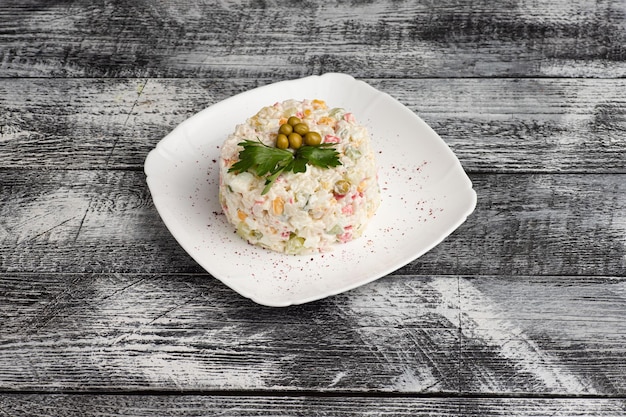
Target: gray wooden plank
{"points": [[539, 225], [537, 322], [517, 125], [63, 124], [169, 405], [105, 221], [397, 39], [118, 332], [423, 334]]}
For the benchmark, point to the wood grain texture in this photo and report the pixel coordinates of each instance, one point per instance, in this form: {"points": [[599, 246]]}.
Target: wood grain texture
{"points": [[64, 124], [538, 322], [401, 334], [518, 125], [105, 221], [197, 406], [520, 312], [399, 39]]}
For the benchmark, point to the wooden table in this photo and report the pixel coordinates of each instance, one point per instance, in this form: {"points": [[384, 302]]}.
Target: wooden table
{"points": [[521, 311]]}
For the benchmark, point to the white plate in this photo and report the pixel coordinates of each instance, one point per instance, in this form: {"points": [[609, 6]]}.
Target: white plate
{"points": [[426, 195]]}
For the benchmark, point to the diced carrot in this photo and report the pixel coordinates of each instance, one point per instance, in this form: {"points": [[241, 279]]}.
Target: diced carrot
{"points": [[329, 121], [278, 205], [362, 185], [319, 104], [242, 216]]}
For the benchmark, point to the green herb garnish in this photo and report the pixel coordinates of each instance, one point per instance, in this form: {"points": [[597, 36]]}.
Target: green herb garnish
{"points": [[263, 159]]}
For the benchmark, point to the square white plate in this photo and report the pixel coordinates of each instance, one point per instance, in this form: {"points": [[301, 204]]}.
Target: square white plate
{"points": [[426, 195]]}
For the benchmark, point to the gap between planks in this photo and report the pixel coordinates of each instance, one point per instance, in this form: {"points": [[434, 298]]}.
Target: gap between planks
{"points": [[313, 393]]}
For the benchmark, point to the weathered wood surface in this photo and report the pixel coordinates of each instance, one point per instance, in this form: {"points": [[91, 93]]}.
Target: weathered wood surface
{"points": [[396, 39], [505, 125], [524, 224], [194, 405], [521, 311], [401, 334]]}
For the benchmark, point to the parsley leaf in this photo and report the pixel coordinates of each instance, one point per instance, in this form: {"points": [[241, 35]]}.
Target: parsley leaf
{"points": [[260, 157], [322, 155], [263, 159], [298, 164]]}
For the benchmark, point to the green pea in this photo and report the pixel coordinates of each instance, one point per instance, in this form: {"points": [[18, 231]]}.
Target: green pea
{"points": [[285, 129], [282, 141], [295, 140], [312, 138], [301, 128], [293, 120], [342, 187]]}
